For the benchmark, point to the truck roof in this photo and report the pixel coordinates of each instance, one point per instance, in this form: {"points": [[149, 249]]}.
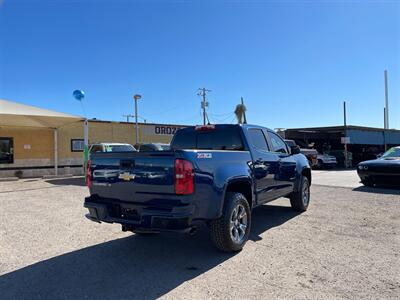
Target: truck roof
{"points": [[238, 125]]}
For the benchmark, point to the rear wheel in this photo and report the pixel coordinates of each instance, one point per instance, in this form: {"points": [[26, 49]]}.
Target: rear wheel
{"points": [[300, 199], [231, 231]]}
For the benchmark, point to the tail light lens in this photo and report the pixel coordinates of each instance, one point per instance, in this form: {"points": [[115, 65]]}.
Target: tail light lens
{"points": [[208, 127], [88, 174], [184, 178]]}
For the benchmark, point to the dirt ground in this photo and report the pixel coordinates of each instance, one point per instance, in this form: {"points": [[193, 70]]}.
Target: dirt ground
{"points": [[346, 246]]}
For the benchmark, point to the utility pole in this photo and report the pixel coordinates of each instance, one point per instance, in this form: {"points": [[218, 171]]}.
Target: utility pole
{"points": [[127, 117], [346, 156], [203, 93]]}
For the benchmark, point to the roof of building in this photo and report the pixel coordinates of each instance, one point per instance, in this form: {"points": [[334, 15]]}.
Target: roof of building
{"points": [[18, 114], [340, 128], [140, 123]]}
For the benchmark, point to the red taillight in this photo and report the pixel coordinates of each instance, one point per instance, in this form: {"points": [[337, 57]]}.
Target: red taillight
{"points": [[88, 174], [204, 127], [184, 179]]}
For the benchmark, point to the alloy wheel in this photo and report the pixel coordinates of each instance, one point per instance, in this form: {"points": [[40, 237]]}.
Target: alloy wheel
{"points": [[238, 224], [306, 194]]}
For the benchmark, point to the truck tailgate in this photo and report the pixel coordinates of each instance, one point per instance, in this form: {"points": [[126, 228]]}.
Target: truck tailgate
{"points": [[133, 176]]}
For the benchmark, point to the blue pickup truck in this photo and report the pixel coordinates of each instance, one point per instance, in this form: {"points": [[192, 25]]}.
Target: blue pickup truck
{"points": [[212, 173]]}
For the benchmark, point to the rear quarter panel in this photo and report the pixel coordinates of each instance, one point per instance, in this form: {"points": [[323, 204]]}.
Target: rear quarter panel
{"points": [[214, 170]]}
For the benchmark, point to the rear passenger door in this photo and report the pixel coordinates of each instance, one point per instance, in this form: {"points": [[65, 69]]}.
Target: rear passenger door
{"points": [[264, 166], [286, 171]]}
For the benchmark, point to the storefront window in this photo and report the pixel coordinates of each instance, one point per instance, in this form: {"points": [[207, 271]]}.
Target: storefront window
{"points": [[6, 150], [77, 145]]}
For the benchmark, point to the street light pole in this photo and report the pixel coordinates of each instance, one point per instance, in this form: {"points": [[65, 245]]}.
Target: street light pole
{"points": [[136, 98], [386, 108]]}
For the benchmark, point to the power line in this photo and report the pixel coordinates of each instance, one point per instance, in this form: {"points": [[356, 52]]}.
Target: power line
{"points": [[223, 119], [220, 115], [127, 117]]}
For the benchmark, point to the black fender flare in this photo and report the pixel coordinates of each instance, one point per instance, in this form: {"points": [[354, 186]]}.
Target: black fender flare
{"points": [[240, 179], [305, 171]]}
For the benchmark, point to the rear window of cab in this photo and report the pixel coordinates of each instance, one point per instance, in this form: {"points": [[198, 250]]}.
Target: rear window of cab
{"points": [[219, 138]]}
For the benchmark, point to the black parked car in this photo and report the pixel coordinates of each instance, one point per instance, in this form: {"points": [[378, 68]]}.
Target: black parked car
{"points": [[152, 147], [384, 170]]}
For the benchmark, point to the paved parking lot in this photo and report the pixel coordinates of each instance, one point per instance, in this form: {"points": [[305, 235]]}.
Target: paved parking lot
{"points": [[337, 178], [345, 246]]}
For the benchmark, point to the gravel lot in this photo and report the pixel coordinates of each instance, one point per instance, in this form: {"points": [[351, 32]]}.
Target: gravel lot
{"points": [[345, 246]]}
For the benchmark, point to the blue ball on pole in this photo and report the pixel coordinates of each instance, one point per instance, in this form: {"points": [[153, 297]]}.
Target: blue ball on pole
{"points": [[78, 95]]}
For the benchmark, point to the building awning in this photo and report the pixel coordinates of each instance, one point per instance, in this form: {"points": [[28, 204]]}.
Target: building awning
{"points": [[22, 115]]}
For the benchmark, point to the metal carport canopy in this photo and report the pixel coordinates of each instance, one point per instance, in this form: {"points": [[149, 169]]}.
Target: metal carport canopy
{"points": [[15, 114], [21, 115]]}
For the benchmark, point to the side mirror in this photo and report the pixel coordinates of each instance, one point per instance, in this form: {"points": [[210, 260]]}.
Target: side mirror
{"points": [[295, 150]]}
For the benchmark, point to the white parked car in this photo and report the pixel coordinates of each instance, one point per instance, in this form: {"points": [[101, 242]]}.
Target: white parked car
{"points": [[326, 161], [111, 147]]}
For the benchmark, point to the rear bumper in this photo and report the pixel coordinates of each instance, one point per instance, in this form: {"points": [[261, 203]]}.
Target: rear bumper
{"points": [[140, 217]]}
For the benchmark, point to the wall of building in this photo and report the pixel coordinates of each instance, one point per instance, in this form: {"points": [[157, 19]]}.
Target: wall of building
{"points": [[34, 148]]}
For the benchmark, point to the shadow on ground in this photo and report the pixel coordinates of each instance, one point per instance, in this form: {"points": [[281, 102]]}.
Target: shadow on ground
{"points": [[379, 189], [132, 267], [78, 181]]}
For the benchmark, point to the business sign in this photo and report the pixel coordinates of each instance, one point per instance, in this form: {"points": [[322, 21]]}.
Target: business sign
{"points": [[160, 129], [345, 140]]}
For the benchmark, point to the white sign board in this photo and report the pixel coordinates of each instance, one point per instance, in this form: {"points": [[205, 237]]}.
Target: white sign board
{"points": [[346, 140]]}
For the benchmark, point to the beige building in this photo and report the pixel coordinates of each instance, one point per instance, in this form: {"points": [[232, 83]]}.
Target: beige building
{"points": [[34, 141]]}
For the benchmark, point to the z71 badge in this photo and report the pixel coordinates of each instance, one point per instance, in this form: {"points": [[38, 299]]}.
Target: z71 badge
{"points": [[204, 155]]}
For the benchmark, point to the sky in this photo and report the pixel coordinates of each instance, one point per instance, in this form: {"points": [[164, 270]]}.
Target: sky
{"points": [[293, 62]]}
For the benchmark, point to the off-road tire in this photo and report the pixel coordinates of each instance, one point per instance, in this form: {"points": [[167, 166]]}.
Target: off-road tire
{"points": [[297, 200], [220, 229]]}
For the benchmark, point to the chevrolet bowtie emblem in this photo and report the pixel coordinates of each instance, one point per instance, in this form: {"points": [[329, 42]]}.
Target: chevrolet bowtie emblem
{"points": [[126, 176]]}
